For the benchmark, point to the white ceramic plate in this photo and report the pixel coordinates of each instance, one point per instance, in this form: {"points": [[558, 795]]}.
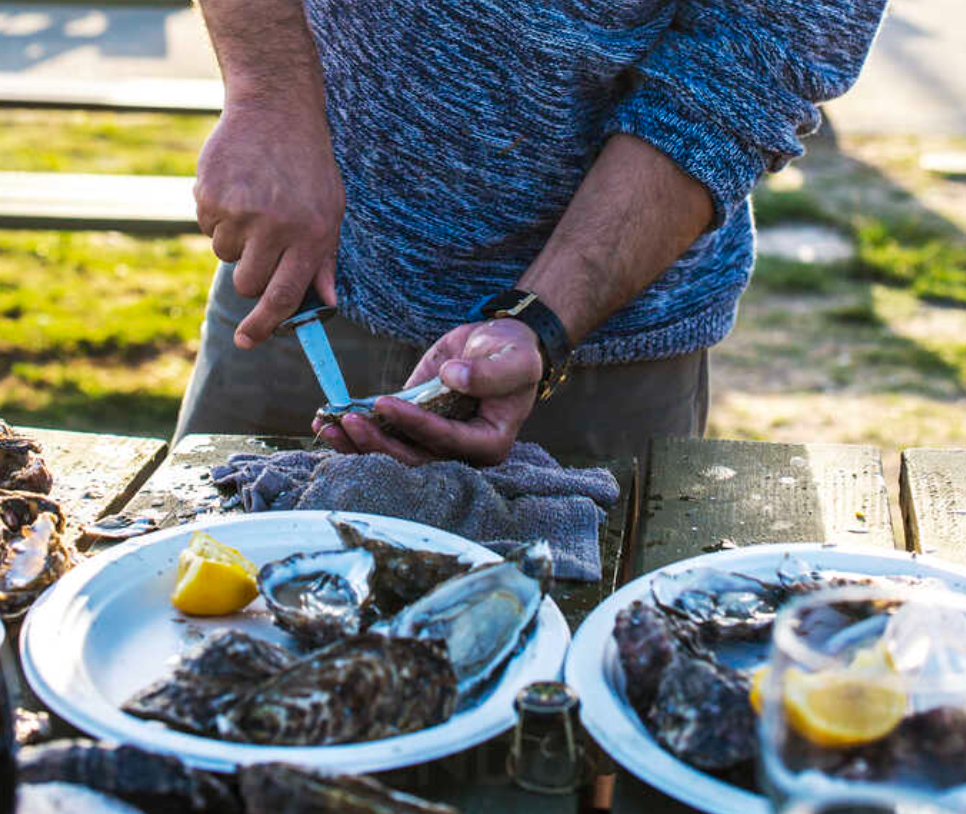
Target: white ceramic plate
{"points": [[107, 629], [594, 671]]}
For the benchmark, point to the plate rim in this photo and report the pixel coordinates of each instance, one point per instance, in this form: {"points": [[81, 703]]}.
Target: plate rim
{"points": [[390, 753], [621, 738]]}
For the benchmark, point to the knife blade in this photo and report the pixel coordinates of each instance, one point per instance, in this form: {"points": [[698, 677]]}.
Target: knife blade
{"points": [[307, 323]]}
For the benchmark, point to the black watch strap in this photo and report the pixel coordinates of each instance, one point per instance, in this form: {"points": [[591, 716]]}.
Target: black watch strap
{"points": [[526, 307]]}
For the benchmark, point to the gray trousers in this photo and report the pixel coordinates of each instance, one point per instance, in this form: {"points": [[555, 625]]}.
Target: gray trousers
{"points": [[601, 412]]}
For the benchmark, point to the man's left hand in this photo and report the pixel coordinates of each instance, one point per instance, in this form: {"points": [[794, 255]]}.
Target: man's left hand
{"points": [[498, 362]]}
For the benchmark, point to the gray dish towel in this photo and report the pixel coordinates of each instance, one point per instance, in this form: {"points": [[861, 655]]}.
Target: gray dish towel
{"points": [[527, 497]]}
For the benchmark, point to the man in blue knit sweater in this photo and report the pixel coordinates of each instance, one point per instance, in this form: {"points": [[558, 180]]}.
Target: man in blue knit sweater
{"points": [[412, 158]]}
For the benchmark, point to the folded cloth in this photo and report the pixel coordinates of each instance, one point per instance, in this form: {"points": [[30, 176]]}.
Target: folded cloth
{"points": [[527, 497]]}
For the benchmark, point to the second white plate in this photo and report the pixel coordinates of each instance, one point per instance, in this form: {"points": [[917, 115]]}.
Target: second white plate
{"points": [[593, 668]]}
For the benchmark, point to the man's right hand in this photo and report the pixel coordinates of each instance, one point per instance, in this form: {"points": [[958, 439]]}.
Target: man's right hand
{"points": [[270, 196]]}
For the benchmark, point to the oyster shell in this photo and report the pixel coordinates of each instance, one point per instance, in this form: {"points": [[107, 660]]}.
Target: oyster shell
{"points": [[483, 616], [208, 680], [19, 509], [21, 467], [725, 606], [357, 689], [403, 575], [321, 596], [431, 395], [271, 788], [30, 561], [152, 782]]}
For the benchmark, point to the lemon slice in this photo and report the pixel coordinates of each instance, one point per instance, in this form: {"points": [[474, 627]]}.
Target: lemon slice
{"points": [[213, 578], [756, 692], [843, 707]]}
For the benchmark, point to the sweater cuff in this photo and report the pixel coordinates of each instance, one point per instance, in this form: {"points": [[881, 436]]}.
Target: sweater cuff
{"points": [[727, 166]]}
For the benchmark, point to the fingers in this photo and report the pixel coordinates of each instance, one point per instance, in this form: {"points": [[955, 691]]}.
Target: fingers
{"points": [[226, 242], [367, 437], [449, 346], [482, 441], [281, 297]]}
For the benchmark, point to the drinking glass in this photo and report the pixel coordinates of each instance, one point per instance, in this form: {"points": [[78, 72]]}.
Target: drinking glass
{"points": [[864, 700]]}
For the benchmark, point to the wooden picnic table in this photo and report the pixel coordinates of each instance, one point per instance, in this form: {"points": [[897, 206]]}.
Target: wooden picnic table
{"points": [[680, 498]]}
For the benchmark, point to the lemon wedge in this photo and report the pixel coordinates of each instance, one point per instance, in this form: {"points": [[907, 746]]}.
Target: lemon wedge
{"points": [[213, 578], [756, 692], [840, 708]]}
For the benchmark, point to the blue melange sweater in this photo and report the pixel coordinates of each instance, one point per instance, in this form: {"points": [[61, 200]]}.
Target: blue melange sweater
{"points": [[463, 128]]}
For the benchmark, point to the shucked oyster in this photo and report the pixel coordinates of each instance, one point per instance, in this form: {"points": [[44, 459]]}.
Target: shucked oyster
{"points": [[19, 509], [208, 680], [30, 561], [431, 395], [483, 617], [321, 596], [356, 689], [403, 574]]}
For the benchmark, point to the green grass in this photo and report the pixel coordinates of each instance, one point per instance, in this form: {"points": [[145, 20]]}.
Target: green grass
{"points": [[77, 141], [98, 328]]}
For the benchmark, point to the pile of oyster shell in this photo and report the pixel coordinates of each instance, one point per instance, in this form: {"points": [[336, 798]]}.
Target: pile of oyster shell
{"points": [[688, 651], [389, 640], [32, 553]]}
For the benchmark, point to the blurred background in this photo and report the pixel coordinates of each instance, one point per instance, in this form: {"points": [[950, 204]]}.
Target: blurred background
{"points": [[854, 329]]}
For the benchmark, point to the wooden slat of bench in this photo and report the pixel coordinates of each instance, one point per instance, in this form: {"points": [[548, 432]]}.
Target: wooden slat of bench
{"points": [[700, 493], [130, 203], [95, 475], [932, 496], [203, 96]]}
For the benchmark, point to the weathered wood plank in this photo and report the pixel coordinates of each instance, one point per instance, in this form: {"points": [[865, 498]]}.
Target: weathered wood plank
{"points": [[130, 203], [702, 493], [95, 475], [932, 496]]}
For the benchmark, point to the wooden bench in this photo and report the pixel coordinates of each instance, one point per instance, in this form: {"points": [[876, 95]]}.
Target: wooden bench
{"points": [[932, 496], [189, 96], [140, 204]]}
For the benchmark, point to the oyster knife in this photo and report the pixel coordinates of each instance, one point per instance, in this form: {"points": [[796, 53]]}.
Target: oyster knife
{"points": [[308, 327]]}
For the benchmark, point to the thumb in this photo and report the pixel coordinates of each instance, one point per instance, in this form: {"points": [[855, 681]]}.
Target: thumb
{"points": [[505, 371]]}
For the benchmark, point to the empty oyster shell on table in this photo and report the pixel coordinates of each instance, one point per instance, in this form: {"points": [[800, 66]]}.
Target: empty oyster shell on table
{"points": [[30, 560], [431, 395], [21, 466]]}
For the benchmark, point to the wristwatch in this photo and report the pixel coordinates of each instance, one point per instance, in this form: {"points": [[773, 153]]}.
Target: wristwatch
{"points": [[554, 344]]}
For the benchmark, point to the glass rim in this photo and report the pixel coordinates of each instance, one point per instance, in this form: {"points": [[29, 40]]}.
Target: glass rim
{"points": [[786, 640]]}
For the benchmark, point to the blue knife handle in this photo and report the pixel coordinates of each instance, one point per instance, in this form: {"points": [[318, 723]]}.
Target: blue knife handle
{"points": [[312, 308]]}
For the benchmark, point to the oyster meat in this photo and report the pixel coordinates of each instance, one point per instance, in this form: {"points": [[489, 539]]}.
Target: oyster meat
{"points": [[431, 395], [483, 616], [19, 509], [30, 561], [271, 788], [357, 689], [152, 782], [208, 680], [403, 574], [321, 596], [21, 466], [723, 605]]}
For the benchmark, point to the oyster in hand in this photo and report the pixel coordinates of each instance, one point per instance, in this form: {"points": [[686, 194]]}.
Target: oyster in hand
{"points": [[357, 689], [279, 788], [431, 395]]}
